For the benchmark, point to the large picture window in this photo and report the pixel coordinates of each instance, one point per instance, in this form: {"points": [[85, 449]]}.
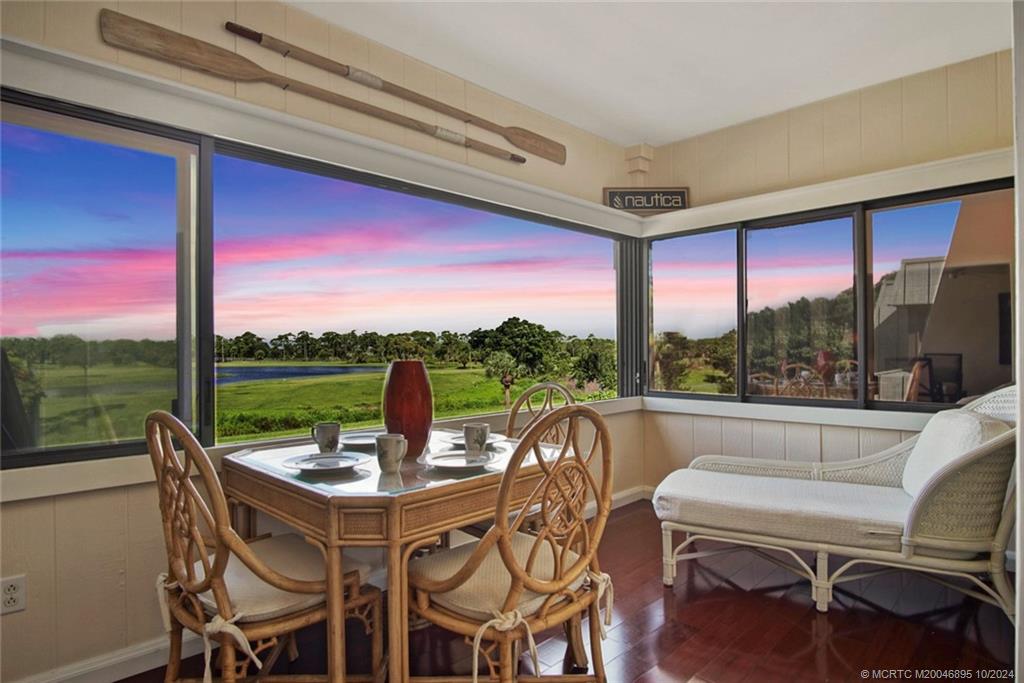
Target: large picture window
{"points": [[97, 235], [941, 283], [801, 312], [320, 282], [693, 313], [913, 309]]}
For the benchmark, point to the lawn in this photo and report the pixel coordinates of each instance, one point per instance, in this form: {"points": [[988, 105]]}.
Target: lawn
{"points": [[249, 410], [696, 380], [110, 402]]}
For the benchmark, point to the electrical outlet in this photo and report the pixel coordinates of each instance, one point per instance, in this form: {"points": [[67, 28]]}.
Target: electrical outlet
{"points": [[13, 594]]}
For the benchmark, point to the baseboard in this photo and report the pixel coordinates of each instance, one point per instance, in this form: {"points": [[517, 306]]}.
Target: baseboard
{"points": [[113, 666], [152, 654]]}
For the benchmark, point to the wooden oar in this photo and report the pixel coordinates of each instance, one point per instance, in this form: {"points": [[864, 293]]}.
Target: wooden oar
{"points": [[157, 42], [520, 137]]}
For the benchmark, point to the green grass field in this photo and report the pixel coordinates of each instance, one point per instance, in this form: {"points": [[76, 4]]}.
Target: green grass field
{"points": [[696, 380], [250, 410], [110, 402]]}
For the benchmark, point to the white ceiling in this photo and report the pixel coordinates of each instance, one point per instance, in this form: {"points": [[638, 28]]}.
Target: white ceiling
{"points": [[650, 72]]}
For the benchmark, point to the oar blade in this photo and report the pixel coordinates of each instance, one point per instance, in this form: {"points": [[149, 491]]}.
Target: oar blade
{"points": [[538, 145], [142, 37]]}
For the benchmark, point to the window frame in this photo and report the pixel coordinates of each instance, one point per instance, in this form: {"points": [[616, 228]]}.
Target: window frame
{"points": [[204, 381], [862, 292]]}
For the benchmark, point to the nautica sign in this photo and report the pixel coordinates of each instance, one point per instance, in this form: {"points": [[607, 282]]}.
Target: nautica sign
{"points": [[645, 201]]}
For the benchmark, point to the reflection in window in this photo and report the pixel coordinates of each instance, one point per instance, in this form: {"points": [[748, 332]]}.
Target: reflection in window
{"points": [[801, 311], [320, 282], [693, 312], [941, 294], [95, 223]]}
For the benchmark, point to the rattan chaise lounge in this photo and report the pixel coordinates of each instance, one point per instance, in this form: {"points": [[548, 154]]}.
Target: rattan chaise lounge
{"points": [[941, 502]]}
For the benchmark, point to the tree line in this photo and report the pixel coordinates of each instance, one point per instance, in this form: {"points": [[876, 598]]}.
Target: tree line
{"points": [[795, 332], [514, 349]]}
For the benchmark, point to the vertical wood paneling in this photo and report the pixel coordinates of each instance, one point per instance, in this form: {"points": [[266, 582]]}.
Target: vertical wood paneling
{"points": [[668, 445], [875, 440], [351, 49], [1004, 98], [960, 109], [769, 439], [839, 443], [75, 27], [90, 540], [627, 433], [738, 438], [22, 19], [806, 143], [881, 127], [842, 144], [146, 557], [973, 109], [925, 133], [26, 638], [707, 435], [803, 442]]}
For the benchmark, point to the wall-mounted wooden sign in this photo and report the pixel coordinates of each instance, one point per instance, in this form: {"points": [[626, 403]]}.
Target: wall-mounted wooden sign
{"points": [[646, 201]]}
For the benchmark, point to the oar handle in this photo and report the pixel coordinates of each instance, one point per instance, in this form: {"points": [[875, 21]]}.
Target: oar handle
{"points": [[288, 50], [392, 117], [366, 78]]}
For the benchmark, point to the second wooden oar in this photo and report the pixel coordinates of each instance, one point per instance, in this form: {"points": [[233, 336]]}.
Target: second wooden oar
{"points": [[128, 33], [520, 137]]}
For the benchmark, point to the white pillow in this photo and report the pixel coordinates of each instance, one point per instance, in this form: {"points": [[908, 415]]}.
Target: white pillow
{"points": [[947, 436]]}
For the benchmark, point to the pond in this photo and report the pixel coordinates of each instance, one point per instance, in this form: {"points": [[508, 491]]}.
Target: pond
{"points": [[258, 373]]}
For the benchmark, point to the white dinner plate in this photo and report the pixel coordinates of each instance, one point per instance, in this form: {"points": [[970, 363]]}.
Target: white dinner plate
{"points": [[460, 440], [326, 463], [359, 441], [457, 460]]}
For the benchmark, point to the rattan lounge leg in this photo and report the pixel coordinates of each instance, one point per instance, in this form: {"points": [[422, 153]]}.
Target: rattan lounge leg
{"points": [[228, 666], [822, 587], [1003, 587], [668, 556]]}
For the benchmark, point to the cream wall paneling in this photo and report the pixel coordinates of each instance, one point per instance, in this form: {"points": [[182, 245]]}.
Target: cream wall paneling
{"points": [[103, 85], [931, 175]]}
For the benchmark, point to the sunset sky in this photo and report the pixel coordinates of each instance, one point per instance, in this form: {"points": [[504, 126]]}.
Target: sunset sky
{"points": [[694, 277], [88, 248]]}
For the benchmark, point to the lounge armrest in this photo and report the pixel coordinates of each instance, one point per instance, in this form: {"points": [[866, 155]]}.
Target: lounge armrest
{"points": [[881, 469], [758, 467]]}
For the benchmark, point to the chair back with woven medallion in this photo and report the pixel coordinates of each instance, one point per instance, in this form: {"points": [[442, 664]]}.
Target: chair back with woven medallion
{"points": [[564, 540], [536, 402], [196, 561]]}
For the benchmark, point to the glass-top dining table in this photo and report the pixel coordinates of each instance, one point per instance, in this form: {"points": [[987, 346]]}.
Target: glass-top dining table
{"points": [[367, 507]]}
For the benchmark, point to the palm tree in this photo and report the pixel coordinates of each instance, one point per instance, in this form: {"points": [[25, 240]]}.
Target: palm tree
{"points": [[502, 365]]}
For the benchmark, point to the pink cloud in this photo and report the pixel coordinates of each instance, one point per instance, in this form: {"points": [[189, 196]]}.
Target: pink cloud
{"points": [[76, 288]]}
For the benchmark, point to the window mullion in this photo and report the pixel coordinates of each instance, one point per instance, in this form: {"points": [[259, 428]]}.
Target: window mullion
{"points": [[205, 368]]}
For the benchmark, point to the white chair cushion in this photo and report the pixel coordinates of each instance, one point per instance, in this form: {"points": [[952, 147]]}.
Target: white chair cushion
{"points": [[947, 436], [802, 509], [485, 591], [290, 555]]}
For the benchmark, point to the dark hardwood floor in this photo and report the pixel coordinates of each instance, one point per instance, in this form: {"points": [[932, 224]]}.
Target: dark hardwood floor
{"points": [[737, 617]]}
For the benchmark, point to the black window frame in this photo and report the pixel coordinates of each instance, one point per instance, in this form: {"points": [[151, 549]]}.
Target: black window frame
{"points": [[625, 253], [862, 291]]}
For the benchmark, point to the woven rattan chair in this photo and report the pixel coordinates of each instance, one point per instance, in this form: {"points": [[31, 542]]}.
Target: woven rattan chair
{"points": [[509, 584], [534, 404], [941, 502], [251, 597]]}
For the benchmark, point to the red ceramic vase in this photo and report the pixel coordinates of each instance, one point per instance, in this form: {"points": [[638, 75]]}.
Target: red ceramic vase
{"points": [[409, 404]]}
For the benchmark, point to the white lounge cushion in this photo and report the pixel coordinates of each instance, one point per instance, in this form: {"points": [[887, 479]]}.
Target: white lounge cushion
{"points": [[290, 555], [485, 591], [803, 509], [947, 436]]}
